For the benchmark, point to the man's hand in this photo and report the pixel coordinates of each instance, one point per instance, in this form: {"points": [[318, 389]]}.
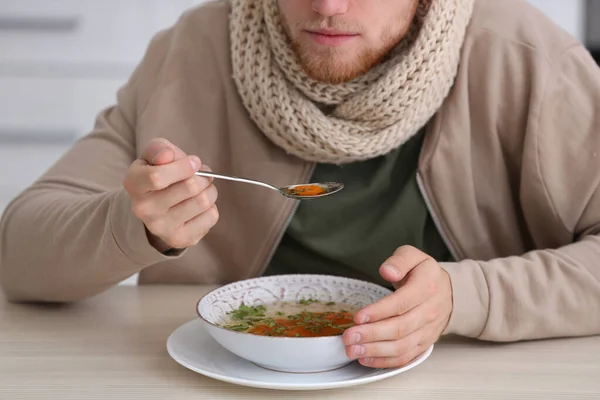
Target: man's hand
{"points": [[177, 207], [399, 328]]}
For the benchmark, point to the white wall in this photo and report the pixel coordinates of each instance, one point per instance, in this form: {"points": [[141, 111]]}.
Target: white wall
{"points": [[569, 14]]}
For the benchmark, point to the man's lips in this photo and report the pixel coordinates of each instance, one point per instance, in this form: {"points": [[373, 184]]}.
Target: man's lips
{"points": [[327, 37]]}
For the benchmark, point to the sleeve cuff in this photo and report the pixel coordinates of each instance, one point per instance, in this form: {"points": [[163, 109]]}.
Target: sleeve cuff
{"points": [[470, 298], [130, 234]]}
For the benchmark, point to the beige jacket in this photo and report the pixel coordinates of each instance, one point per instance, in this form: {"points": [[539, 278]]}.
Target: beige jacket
{"points": [[510, 169]]}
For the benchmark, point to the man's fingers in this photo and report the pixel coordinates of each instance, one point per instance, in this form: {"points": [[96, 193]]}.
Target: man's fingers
{"points": [[154, 178], [180, 191], [391, 306], [163, 157], [387, 348], [194, 230], [404, 259], [408, 349], [396, 361], [160, 151], [389, 329], [191, 208], [419, 288], [177, 207]]}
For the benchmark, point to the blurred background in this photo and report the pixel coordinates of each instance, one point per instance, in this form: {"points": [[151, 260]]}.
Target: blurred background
{"points": [[61, 62]]}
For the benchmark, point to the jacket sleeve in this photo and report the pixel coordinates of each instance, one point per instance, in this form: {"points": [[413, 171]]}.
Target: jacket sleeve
{"points": [[72, 233], [549, 292]]}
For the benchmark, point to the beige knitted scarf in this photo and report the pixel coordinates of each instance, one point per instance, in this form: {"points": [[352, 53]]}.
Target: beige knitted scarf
{"points": [[373, 114]]}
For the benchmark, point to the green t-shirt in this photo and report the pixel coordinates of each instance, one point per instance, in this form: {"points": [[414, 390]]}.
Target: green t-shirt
{"points": [[351, 233]]}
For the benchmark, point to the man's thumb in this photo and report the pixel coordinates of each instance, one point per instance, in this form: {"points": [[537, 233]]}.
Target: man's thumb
{"points": [[161, 151], [163, 156]]}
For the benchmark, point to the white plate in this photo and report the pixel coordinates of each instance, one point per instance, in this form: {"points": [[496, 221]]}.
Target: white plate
{"points": [[191, 346]]}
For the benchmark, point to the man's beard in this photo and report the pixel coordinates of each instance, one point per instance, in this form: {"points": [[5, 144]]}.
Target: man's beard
{"points": [[326, 66]]}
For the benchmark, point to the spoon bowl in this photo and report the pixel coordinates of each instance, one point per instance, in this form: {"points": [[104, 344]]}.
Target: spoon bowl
{"points": [[312, 190], [306, 191]]}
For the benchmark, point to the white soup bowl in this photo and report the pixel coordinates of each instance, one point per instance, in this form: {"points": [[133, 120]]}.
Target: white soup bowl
{"points": [[285, 354]]}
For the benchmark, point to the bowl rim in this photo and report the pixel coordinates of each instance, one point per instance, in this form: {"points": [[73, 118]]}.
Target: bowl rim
{"points": [[281, 338]]}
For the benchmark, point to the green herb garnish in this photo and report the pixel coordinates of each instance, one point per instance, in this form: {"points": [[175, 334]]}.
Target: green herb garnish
{"points": [[245, 311], [307, 301], [238, 327]]}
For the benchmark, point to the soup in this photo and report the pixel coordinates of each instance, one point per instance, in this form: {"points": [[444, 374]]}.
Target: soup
{"points": [[306, 318], [306, 190]]}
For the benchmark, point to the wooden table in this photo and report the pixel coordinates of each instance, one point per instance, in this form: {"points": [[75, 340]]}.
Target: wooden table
{"points": [[113, 347]]}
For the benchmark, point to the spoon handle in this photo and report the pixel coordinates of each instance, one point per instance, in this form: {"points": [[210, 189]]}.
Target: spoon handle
{"points": [[236, 179]]}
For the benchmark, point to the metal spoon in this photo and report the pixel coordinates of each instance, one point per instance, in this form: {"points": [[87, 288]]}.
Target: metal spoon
{"points": [[291, 191]]}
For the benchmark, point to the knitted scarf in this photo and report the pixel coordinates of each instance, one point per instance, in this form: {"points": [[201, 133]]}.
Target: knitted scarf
{"points": [[372, 114]]}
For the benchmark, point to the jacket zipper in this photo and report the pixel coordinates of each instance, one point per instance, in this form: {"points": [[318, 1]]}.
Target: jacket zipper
{"points": [[283, 230], [435, 218]]}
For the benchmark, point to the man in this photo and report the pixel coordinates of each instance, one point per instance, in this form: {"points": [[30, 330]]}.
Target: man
{"points": [[465, 132]]}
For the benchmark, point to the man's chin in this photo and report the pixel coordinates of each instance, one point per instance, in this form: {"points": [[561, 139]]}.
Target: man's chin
{"points": [[333, 71], [331, 77], [328, 65], [335, 65]]}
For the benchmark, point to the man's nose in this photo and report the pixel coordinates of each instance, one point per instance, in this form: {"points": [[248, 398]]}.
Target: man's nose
{"points": [[330, 8]]}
